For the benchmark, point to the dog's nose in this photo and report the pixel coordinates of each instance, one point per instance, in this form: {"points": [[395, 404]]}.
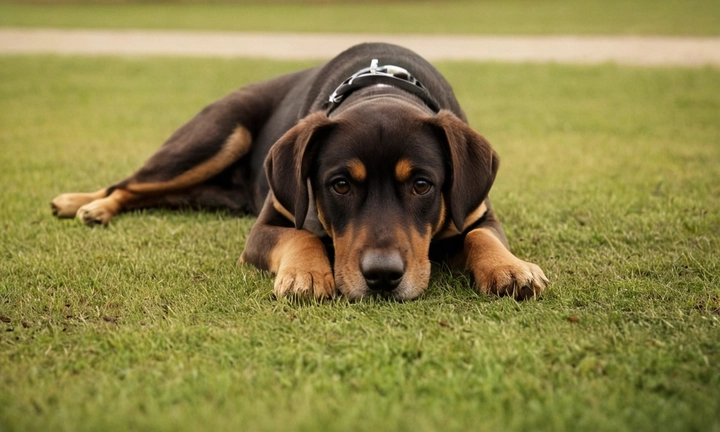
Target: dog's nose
{"points": [[382, 270]]}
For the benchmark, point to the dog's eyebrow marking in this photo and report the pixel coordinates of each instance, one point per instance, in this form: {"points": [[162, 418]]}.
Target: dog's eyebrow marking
{"points": [[357, 170], [403, 169]]}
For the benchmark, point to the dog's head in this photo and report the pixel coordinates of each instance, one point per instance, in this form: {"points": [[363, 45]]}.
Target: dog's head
{"points": [[384, 178]]}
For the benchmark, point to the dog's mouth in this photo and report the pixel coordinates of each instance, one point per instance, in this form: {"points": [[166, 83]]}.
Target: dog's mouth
{"points": [[396, 268], [400, 294]]}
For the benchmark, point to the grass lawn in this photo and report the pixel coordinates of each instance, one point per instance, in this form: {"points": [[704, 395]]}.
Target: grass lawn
{"points": [[642, 17], [610, 180]]}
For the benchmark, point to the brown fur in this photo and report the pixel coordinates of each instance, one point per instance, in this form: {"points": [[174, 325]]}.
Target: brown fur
{"points": [[301, 265], [496, 270], [403, 170], [68, 204], [100, 211], [236, 146], [357, 170]]}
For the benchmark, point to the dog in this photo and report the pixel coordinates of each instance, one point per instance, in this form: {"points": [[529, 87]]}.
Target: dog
{"points": [[360, 171]]}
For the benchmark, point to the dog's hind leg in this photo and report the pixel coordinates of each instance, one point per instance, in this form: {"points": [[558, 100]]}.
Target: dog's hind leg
{"points": [[216, 138], [174, 171], [201, 156]]}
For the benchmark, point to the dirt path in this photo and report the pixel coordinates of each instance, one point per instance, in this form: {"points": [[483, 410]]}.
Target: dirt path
{"points": [[692, 52]]}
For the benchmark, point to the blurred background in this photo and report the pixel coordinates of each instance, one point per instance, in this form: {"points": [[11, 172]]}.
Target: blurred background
{"points": [[629, 17]]}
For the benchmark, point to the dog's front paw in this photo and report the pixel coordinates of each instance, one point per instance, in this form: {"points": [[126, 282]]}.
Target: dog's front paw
{"points": [[517, 278], [497, 271], [305, 283]]}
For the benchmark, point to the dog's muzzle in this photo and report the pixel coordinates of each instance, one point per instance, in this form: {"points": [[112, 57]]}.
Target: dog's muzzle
{"points": [[383, 270]]}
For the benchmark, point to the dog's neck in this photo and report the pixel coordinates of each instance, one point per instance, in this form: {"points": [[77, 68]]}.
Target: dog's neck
{"points": [[377, 93], [380, 80]]}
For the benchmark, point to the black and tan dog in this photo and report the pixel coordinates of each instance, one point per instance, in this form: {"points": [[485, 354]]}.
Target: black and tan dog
{"points": [[357, 182]]}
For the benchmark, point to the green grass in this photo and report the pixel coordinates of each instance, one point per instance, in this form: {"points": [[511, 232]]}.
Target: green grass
{"points": [[641, 17], [610, 180]]}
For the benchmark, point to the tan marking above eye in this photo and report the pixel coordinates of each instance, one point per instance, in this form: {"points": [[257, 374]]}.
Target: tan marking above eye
{"points": [[357, 170], [403, 170]]}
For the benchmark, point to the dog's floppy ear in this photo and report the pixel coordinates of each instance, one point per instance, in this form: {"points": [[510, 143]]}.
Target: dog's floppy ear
{"points": [[288, 163], [473, 166]]}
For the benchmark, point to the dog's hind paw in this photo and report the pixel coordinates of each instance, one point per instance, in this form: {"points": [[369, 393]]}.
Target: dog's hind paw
{"points": [[67, 204], [295, 282], [96, 213]]}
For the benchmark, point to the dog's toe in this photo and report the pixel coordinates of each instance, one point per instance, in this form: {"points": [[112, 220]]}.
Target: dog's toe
{"points": [[94, 214], [519, 279], [304, 283], [55, 209], [67, 205]]}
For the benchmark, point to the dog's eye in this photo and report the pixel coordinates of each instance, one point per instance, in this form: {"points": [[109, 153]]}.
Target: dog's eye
{"points": [[421, 187], [341, 186]]}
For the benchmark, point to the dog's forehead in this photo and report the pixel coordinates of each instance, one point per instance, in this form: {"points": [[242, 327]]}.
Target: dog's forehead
{"points": [[383, 137]]}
